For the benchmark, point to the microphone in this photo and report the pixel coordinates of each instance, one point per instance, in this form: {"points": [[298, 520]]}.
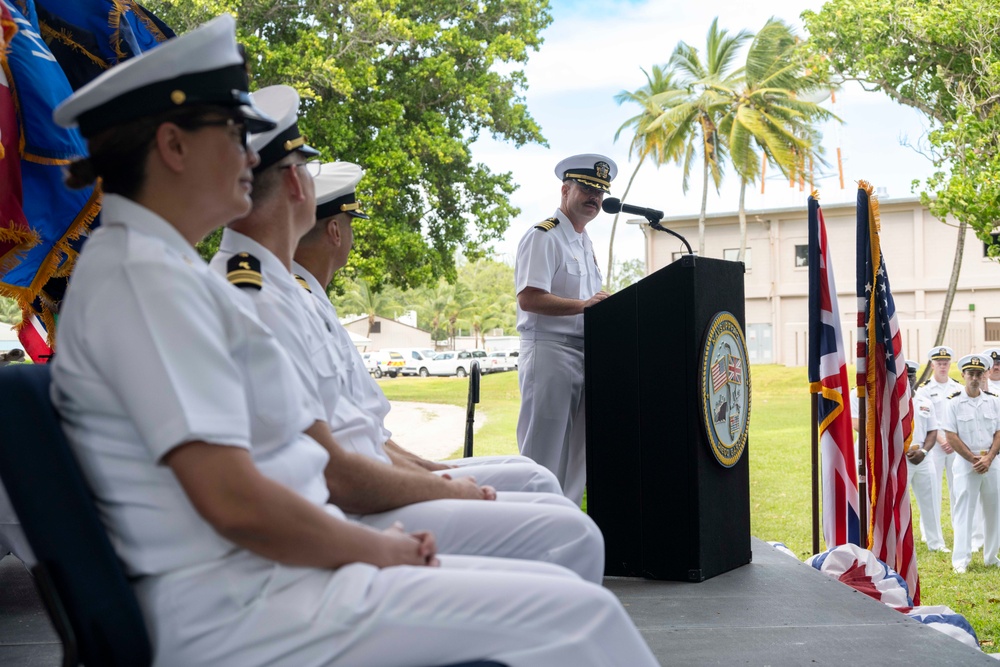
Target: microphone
{"points": [[614, 205]]}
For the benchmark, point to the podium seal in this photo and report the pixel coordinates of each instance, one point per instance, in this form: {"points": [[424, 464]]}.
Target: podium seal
{"points": [[725, 384]]}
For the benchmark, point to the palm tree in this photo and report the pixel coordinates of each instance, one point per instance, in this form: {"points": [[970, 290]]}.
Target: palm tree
{"points": [[646, 143], [360, 298], [10, 311], [695, 120], [766, 113]]}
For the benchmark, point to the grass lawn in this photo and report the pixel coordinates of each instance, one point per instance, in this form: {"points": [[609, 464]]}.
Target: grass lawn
{"points": [[780, 486]]}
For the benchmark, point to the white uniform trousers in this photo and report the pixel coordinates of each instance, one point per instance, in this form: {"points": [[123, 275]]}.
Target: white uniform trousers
{"points": [[920, 477], [542, 527], [245, 611], [551, 427], [944, 462], [505, 473], [970, 486], [978, 527]]}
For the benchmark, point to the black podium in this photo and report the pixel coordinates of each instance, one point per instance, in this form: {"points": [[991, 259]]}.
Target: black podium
{"points": [[667, 507]]}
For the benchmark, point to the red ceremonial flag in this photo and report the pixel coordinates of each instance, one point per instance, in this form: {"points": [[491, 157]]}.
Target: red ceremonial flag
{"points": [[889, 415], [828, 378]]}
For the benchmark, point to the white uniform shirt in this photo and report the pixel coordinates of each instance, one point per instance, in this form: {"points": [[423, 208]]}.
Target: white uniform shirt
{"points": [[358, 419], [156, 350], [559, 261], [975, 420], [939, 393], [283, 306], [924, 419]]}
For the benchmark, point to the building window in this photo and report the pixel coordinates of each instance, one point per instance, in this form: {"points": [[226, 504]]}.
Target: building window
{"points": [[376, 327], [801, 256], [992, 328], [732, 255], [995, 238]]}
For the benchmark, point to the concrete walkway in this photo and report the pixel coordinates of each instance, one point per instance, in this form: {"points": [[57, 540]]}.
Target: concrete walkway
{"points": [[431, 430]]}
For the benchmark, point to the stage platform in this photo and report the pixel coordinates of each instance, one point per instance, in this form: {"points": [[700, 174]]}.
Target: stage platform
{"points": [[774, 611]]}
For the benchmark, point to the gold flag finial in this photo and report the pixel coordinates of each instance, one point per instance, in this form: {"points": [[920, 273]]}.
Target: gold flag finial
{"points": [[866, 186], [815, 195]]}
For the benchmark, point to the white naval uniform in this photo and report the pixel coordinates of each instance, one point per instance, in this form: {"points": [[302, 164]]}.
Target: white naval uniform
{"points": [[976, 421], [156, 350], [939, 393], [920, 476], [504, 473], [551, 427], [558, 534]]}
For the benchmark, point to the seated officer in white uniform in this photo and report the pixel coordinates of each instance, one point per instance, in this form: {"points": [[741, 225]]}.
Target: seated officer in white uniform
{"points": [[201, 446], [323, 251], [459, 512], [920, 472], [938, 388], [556, 277], [972, 424]]}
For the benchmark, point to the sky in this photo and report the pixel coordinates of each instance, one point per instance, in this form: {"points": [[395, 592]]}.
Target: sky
{"points": [[594, 50]]}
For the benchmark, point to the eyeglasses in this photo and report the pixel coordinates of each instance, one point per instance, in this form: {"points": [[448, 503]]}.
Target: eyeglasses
{"points": [[240, 129], [312, 166]]}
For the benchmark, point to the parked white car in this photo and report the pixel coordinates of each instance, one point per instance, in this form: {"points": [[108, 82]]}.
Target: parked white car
{"points": [[498, 361], [416, 360], [450, 363]]}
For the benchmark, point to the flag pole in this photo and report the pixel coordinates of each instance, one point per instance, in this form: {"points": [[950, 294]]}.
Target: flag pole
{"points": [[862, 470], [815, 471]]}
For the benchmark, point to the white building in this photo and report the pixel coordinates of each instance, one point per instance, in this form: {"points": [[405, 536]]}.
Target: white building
{"points": [[918, 250]]}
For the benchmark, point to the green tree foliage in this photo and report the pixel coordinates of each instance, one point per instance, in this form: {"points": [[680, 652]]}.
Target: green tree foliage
{"points": [[10, 312], [403, 89], [767, 115], [481, 300], [695, 120], [661, 145], [628, 273], [943, 58]]}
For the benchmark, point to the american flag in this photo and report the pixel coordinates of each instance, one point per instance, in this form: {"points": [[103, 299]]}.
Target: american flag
{"points": [[718, 375], [828, 378], [889, 415]]}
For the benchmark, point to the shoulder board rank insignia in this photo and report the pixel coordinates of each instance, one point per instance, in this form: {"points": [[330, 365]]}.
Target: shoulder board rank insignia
{"points": [[243, 270], [548, 224], [925, 383], [957, 393], [302, 282], [988, 392]]}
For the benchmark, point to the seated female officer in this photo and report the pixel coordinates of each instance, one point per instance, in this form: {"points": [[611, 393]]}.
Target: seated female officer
{"points": [[193, 431]]}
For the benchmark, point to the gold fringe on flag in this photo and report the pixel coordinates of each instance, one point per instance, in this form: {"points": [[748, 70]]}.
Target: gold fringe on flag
{"points": [[62, 36]]}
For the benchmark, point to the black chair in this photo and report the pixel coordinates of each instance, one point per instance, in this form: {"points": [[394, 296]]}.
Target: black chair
{"points": [[470, 411], [78, 574]]}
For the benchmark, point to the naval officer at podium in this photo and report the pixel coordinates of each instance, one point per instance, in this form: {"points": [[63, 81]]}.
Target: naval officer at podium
{"points": [[556, 278]]}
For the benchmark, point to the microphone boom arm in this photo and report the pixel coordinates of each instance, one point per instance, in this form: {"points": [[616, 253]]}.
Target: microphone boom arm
{"points": [[655, 224]]}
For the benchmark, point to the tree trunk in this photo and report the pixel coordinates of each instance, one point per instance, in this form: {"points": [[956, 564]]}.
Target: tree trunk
{"points": [[704, 206], [949, 297], [743, 219], [614, 226]]}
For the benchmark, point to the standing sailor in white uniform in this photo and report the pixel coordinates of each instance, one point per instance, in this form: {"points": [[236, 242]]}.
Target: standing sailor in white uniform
{"points": [[972, 424], [938, 388], [556, 277], [919, 469]]}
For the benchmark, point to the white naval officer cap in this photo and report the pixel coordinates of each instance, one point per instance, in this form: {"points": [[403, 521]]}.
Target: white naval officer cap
{"points": [[281, 103], [590, 169], [993, 353], [911, 366], [940, 352], [336, 190], [972, 362], [201, 68]]}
